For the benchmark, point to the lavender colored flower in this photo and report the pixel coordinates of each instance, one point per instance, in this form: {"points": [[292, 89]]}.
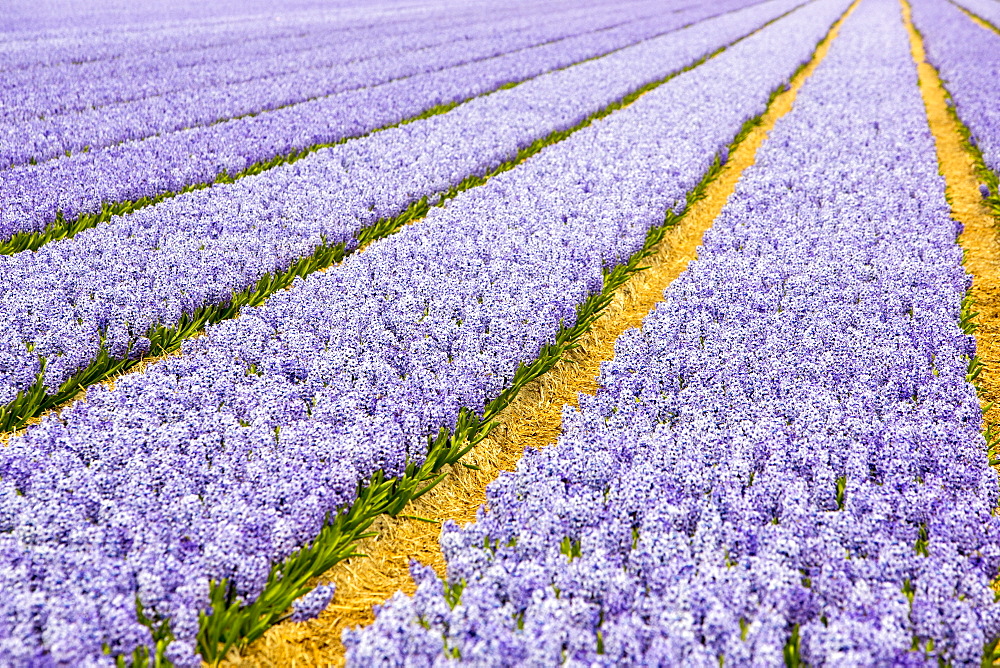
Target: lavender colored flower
{"points": [[321, 46], [788, 448], [984, 8], [309, 606], [280, 25], [219, 462], [39, 135], [87, 30]]}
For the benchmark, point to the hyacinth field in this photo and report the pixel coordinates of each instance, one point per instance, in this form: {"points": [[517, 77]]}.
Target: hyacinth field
{"points": [[278, 281]]}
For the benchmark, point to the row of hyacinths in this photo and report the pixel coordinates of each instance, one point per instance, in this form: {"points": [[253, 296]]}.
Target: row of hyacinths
{"points": [[69, 109], [968, 58]]}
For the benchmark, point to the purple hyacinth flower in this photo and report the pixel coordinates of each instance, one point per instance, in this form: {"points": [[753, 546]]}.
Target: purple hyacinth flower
{"points": [[310, 605]]}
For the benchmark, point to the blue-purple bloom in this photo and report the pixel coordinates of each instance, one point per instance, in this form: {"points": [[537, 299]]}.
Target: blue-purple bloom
{"points": [[111, 284], [309, 606], [263, 58], [39, 126], [32, 195], [985, 9]]}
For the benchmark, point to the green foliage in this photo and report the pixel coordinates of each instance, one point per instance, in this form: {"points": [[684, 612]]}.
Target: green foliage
{"points": [[991, 654], [967, 319], [841, 488], [140, 657], [570, 547], [923, 539], [453, 593], [793, 651]]}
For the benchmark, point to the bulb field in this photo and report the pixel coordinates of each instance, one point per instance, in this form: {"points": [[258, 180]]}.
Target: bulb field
{"points": [[598, 333]]}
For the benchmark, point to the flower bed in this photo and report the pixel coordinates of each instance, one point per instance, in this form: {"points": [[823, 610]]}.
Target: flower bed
{"points": [[968, 59], [50, 135], [119, 178], [217, 464], [785, 464], [79, 308], [982, 8], [354, 56]]}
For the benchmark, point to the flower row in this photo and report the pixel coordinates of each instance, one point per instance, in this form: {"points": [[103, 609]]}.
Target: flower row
{"points": [[28, 94], [42, 138], [92, 86], [784, 465], [66, 42], [218, 463], [209, 60], [105, 289], [322, 74], [31, 196], [985, 9]]}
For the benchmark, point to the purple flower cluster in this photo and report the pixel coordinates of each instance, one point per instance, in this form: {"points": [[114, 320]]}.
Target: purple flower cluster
{"points": [[312, 604], [223, 36], [112, 283], [32, 195], [308, 75], [85, 65], [785, 462], [967, 56], [217, 463], [85, 30], [94, 86]]}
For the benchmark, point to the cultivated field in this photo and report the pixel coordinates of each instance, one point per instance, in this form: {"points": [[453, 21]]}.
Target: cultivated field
{"points": [[571, 333]]}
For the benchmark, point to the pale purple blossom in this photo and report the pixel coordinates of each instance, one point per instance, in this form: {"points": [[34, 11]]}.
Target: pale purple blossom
{"points": [[309, 606]]}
